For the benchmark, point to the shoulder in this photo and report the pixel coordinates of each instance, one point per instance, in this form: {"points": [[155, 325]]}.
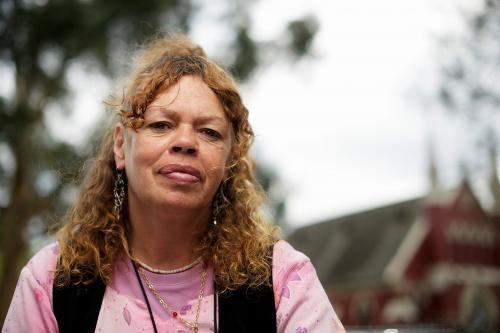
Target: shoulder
{"points": [[46, 256], [43, 264], [301, 302], [286, 257], [288, 263], [31, 306]]}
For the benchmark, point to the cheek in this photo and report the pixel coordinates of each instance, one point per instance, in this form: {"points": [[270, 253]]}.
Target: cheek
{"points": [[217, 163], [140, 153], [137, 159]]}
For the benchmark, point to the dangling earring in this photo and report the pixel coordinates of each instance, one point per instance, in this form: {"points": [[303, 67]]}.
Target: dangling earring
{"points": [[216, 206], [215, 211], [119, 192]]}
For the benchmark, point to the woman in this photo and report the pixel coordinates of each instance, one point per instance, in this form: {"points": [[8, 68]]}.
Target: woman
{"points": [[167, 234]]}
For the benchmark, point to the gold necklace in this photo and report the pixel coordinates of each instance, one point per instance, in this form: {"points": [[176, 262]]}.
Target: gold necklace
{"points": [[192, 326], [166, 271]]}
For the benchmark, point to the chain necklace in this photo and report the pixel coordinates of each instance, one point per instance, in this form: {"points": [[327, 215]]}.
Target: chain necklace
{"points": [[166, 271], [193, 326]]}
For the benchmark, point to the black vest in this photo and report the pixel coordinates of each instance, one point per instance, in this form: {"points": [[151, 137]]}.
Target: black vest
{"points": [[77, 307]]}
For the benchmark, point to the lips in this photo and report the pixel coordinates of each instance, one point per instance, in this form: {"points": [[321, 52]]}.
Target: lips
{"points": [[180, 173]]}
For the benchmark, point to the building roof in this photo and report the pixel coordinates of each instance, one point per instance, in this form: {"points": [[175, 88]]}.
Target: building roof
{"points": [[354, 250]]}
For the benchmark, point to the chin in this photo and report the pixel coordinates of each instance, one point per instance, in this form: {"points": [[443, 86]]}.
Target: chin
{"points": [[180, 201]]}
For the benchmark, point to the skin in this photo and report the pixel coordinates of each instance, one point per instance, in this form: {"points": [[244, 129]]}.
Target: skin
{"points": [[174, 165]]}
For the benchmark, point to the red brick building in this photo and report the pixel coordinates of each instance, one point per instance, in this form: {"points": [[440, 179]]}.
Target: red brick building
{"points": [[433, 260]]}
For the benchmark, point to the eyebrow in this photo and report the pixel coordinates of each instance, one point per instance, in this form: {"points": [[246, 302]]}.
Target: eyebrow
{"points": [[162, 109], [175, 114]]}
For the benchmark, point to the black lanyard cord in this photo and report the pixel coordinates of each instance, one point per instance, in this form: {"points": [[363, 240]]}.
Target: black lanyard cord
{"points": [[216, 330], [145, 298]]}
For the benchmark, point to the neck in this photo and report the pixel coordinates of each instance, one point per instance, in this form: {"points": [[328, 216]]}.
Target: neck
{"points": [[165, 240]]}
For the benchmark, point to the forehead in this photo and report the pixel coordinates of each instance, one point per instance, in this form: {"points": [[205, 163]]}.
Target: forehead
{"points": [[189, 94]]}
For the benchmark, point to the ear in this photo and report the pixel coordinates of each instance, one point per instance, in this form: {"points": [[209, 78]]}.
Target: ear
{"points": [[119, 146]]}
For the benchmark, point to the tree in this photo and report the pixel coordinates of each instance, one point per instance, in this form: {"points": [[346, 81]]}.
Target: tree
{"points": [[468, 85], [65, 33]]}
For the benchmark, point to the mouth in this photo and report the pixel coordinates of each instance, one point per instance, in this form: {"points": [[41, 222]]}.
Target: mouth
{"points": [[180, 173]]}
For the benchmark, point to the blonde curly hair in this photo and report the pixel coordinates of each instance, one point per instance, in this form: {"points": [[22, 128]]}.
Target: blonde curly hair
{"points": [[93, 236]]}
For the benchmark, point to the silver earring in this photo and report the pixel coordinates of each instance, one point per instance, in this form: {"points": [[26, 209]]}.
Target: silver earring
{"points": [[216, 206], [119, 192], [215, 212]]}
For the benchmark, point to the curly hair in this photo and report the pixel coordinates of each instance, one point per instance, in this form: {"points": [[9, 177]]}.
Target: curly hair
{"points": [[93, 236]]}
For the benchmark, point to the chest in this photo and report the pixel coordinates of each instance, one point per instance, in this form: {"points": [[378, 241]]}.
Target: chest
{"points": [[96, 308]]}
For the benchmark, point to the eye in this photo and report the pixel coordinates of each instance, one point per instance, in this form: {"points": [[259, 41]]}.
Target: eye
{"points": [[211, 134], [159, 126]]}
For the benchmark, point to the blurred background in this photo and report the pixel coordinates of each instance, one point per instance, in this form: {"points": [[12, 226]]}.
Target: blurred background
{"points": [[377, 134]]}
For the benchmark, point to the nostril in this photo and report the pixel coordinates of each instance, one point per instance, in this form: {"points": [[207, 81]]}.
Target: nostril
{"points": [[180, 149]]}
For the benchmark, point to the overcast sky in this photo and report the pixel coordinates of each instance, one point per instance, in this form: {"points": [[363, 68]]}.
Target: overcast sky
{"points": [[344, 129]]}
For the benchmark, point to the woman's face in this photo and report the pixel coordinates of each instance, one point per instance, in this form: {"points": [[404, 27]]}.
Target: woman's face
{"points": [[178, 158]]}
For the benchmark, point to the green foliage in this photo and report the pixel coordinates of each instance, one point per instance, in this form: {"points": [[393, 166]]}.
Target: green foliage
{"points": [[468, 86], [470, 65], [270, 183], [246, 59], [302, 33]]}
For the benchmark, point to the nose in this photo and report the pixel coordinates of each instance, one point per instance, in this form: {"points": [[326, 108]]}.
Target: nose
{"points": [[184, 142]]}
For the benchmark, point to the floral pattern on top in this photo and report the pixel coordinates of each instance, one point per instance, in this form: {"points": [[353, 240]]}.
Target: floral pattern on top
{"points": [[302, 305]]}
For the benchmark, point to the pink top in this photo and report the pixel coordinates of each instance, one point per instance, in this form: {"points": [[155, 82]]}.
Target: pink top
{"points": [[301, 302]]}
